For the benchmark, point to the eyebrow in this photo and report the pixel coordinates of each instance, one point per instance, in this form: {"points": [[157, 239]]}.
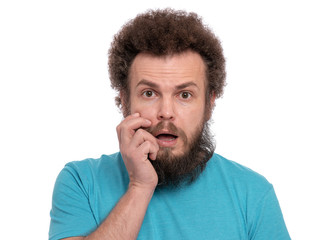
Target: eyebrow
{"points": [[185, 85], [154, 85], [148, 83]]}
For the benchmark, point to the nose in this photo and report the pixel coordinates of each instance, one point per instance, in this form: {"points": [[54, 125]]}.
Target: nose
{"points": [[166, 109]]}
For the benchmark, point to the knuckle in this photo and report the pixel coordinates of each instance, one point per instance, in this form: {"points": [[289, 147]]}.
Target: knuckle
{"points": [[146, 144], [120, 127], [140, 133]]}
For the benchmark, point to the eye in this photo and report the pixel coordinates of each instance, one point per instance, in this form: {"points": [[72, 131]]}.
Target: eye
{"points": [[148, 93], [185, 95]]}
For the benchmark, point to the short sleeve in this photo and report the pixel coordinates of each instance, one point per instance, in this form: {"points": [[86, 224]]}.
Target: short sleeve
{"points": [[71, 213], [267, 221]]}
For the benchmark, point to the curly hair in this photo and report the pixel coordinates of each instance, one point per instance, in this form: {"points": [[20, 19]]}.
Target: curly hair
{"points": [[165, 32]]}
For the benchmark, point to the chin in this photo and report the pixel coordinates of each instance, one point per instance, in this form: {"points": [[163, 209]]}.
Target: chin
{"points": [[171, 152]]}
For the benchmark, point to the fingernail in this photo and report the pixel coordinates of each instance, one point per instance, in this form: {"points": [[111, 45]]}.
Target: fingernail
{"points": [[135, 114]]}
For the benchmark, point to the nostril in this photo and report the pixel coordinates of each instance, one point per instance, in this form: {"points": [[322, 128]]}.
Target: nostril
{"points": [[165, 116], [166, 111]]}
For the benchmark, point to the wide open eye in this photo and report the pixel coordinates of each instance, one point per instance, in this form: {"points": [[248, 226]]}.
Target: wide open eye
{"points": [[148, 93], [185, 95]]}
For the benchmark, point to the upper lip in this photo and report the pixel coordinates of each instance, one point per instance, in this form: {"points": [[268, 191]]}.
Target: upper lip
{"points": [[164, 131]]}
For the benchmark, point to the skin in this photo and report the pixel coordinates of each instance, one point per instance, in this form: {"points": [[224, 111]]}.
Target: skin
{"points": [[168, 89]]}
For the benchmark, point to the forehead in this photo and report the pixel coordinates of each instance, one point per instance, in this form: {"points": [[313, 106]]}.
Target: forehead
{"points": [[168, 70]]}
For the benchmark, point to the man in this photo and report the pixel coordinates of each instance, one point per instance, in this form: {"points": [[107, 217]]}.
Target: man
{"points": [[166, 182]]}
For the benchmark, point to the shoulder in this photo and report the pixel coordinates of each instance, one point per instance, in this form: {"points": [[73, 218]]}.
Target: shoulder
{"points": [[233, 168], [95, 165], [252, 194], [238, 176], [92, 169], [75, 193]]}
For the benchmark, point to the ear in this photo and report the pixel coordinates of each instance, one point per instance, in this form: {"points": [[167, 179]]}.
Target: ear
{"points": [[123, 103], [212, 100], [210, 106], [121, 97]]}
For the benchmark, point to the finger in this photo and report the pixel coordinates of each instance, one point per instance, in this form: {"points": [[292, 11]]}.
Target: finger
{"points": [[130, 126], [149, 150], [152, 155], [118, 128], [141, 136]]}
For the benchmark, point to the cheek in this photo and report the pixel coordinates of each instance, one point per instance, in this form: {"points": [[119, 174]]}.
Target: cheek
{"points": [[191, 120], [192, 112], [144, 110]]}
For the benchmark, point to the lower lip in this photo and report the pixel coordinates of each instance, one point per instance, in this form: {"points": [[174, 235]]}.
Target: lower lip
{"points": [[167, 143]]}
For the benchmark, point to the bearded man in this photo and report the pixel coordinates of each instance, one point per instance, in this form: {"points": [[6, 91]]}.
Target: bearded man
{"points": [[166, 182]]}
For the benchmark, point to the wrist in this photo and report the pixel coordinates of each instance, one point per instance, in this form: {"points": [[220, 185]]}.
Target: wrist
{"points": [[142, 188]]}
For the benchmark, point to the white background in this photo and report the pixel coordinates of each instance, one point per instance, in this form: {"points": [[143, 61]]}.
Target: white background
{"points": [[277, 115]]}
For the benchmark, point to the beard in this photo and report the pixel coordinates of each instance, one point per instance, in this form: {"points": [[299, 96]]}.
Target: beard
{"points": [[173, 170]]}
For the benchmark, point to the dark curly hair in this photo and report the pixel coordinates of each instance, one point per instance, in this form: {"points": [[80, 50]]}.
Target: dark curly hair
{"points": [[165, 32]]}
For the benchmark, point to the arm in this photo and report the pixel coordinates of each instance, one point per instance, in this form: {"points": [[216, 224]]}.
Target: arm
{"points": [[266, 221], [125, 220]]}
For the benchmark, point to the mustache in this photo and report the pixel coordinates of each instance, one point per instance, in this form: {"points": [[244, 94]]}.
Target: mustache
{"points": [[167, 126]]}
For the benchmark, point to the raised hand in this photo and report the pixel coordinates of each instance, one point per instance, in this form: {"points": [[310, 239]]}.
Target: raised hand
{"points": [[136, 146]]}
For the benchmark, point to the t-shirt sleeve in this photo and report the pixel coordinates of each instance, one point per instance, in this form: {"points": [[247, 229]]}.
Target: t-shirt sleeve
{"points": [[70, 214], [267, 220]]}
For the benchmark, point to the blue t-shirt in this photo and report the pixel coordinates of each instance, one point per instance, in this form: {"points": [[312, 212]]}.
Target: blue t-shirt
{"points": [[227, 201]]}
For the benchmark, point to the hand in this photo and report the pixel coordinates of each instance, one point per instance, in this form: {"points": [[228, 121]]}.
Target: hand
{"points": [[136, 145]]}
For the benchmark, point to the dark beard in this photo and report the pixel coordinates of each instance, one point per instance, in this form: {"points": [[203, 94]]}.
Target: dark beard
{"points": [[175, 170]]}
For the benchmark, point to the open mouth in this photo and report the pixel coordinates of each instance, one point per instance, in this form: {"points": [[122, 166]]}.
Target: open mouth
{"points": [[166, 137]]}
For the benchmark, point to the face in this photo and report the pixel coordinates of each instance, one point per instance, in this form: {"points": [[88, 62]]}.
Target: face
{"points": [[170, 92]]}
